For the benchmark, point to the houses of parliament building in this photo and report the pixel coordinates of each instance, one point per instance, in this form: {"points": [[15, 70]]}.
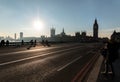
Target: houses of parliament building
{"points": [[78, 37]]}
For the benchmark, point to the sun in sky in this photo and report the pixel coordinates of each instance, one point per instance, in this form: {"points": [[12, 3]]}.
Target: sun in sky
{"points": [[38, 24]]}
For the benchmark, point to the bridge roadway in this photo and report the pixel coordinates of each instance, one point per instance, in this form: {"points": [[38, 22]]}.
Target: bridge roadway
{"points": [[58, 63]]}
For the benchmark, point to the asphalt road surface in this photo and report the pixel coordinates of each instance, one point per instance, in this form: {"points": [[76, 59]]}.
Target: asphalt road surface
{"points": [[58, 63]]}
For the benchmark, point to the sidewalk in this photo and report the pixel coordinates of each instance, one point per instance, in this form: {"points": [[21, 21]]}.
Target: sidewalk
{"points": [[97, 76], [109, 77]]}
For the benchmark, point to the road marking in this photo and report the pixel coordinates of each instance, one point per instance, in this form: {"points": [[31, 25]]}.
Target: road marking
{"points": [[38, 55], [69, 63], [80, 75]]}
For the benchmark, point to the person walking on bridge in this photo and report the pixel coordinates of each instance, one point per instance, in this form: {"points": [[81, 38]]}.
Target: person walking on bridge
{"points": [[113, 48]]}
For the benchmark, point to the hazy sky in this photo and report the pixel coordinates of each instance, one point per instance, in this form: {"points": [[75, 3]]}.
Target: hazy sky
{"points": [[73, 15]]}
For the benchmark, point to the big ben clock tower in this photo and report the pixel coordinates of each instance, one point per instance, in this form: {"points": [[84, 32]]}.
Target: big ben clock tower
{"points": [[95, 30]]}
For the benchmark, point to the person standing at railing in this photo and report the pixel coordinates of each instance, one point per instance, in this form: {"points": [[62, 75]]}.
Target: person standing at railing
{"points": [[113, 49], [31, 42], [22, 43], [7, 43], [2, 44], [110, 54], [35, 42]]}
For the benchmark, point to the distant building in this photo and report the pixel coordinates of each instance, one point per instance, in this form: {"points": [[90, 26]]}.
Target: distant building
{"points": [[63, 37], [95, 30], [83, 34], [115, 36], [52, 31], [21, 35], [15, 36], [77, 34], [63, 33]]}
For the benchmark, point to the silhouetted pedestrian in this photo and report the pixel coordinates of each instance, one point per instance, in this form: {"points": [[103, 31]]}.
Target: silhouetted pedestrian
{"points": [[47, 43], [113, 48], [104, 51], [7, 43], [2, 43], [31, 42], [22, 43], [35, 43], [43, 42]]}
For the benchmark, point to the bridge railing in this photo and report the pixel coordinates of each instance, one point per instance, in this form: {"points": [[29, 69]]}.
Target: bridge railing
{"points": [[18, 44]]}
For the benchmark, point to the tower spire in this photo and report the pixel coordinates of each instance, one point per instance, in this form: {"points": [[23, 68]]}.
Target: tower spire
{"points": [[95, 21], [63, 30]]}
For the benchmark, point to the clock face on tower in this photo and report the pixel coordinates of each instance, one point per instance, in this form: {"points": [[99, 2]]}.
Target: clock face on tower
{"points": [[95, 27]]}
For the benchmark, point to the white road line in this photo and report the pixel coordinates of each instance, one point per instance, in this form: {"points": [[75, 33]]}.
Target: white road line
{"points": [[69, 63], [15, 61]]}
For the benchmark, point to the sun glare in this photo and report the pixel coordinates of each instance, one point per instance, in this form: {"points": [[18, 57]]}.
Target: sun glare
{"points": [[38, 25]]}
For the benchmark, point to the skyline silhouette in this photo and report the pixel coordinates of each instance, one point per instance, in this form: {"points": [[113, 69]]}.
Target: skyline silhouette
{"points": [[35, 18]]}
